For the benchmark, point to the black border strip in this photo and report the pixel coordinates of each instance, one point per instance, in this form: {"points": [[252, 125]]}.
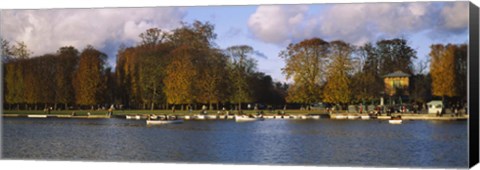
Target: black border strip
{"points": [[473, 77]]}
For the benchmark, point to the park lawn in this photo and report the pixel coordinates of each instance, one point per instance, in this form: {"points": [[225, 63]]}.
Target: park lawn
{"points": [[132, 112]]}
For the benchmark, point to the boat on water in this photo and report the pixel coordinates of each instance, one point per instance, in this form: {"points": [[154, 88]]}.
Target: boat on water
{"points": [[160, 122], [187, 117], [365, 117], [352, 117], [37, 116], [303, 117], [153, 117], [211, 117], [200, 117], [269, 117], [230, 117], [340, 116], [313, 117], [244, 118], [136, 117], [395, 120]]}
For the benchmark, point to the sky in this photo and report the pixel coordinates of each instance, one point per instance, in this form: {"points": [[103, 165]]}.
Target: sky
{"points": [[266, 28]]}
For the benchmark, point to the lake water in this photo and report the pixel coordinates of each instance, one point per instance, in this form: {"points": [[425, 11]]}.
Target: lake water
{"points": [[271, 142]]}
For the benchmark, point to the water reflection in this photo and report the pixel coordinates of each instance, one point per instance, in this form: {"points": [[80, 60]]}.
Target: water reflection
{"points": [[315, 142]]}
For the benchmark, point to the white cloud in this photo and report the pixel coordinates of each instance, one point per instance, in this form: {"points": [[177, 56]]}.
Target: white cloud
{"points": [[355, 23], [275, 23], [456, 15], [44, 31]]}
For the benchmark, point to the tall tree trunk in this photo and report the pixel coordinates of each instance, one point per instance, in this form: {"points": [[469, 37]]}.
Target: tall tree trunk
{"points": [[181, 107], [210, 105], [55, 106], [153, 105], [66, 106]]}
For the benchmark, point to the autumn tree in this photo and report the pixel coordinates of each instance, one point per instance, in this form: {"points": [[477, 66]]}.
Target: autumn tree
{"points": [[15, 57], [89, 78], [448, 70], [14, 84], [337, 88], [305, 64], [65, 65], [442, 70], [179, 79]]}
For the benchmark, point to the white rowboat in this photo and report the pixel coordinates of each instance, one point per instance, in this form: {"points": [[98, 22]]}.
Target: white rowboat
{"points": [[247, 119], [200, 117], [352, 117], [160, 122], [365, 117], [395, 121], [37, 116], [340, 117], [211, 116]]}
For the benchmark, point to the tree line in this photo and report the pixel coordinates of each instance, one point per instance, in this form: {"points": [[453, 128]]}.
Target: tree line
{"points": [[184, 68], [339, 73]]}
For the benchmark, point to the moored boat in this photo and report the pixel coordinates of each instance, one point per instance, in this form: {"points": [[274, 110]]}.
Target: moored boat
{"points": [[153, 117], [340, 116], [211, 117], [187, 117], [130, 116], [395, 120], [269, 117], [159, 122], [353, 117], [200, 117], [365, 117], [37, 116], [244, 118]]}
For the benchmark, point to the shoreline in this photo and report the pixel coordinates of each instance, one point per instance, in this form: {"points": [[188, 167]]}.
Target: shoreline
{"points": [[295, 116]]}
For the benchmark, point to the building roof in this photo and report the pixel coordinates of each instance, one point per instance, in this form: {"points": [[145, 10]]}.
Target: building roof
{"points": [[397, 74]]}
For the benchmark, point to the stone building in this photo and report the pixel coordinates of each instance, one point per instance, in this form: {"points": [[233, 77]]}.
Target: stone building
{"points": [[396, 83]]}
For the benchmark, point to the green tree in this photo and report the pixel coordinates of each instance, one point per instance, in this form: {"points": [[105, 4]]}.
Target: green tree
{"points": [[242, 65], [367, 84], [394, 55]]}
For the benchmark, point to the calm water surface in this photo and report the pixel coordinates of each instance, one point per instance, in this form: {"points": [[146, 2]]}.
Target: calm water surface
{"points": [[279, 142]]}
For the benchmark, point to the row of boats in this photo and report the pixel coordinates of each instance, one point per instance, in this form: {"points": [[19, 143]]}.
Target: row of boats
{"points": [[391, 120], [214, 117], [156, 120], [169, 119]]}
